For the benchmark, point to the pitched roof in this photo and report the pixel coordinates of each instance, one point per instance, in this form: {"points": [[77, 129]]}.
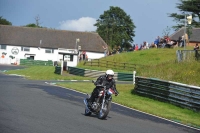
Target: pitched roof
{"points": [[195, 37], [30, 37]]}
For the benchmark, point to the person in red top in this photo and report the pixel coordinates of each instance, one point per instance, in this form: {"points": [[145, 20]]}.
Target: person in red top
{"points": [[136, 47]]}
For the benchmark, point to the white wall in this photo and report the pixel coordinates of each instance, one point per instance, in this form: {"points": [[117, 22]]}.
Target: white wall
{"points": [[93, 55], [41, 55]]}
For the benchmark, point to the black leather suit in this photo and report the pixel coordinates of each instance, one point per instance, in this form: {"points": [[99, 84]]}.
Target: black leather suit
{"points": [[102, 80]]}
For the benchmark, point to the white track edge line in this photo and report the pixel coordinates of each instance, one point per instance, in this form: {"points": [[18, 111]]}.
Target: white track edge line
{"points": [[133, 109]]}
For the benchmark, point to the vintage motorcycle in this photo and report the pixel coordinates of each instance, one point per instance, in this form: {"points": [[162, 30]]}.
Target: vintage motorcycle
{"points": [[102, 103]]}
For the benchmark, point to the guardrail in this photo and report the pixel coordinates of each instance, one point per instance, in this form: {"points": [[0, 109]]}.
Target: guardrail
{"points": [[96, 74], [182, 95], [176, 93], [30, 62]]}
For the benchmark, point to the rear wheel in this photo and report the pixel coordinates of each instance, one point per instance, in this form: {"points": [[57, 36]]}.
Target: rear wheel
{"points": [[87, 112]]}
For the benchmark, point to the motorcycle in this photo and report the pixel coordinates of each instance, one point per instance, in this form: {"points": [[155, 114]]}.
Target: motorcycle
{"points": [[102, 103]]}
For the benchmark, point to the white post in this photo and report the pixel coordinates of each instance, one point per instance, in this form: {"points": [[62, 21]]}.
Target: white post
{"points": [[61, 67], [185, 33], [134, 72]]}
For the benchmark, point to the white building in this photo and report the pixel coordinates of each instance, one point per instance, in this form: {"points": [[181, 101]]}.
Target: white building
{"points": [[47, 44]]}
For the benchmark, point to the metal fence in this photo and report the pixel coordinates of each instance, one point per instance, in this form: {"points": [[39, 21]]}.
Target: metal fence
{"points": [[182, 95], [187, 55]]}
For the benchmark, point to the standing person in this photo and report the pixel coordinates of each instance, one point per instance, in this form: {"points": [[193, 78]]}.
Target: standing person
{"points": [[196, 47], [156, 41], [105, 50], [133, 47], [136, 47], [182, 41], [106, 80], [179, 41]]}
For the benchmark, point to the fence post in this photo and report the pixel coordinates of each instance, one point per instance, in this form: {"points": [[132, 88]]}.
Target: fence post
{"points": [[107, 64], [178, 55], [61, 67], [134, 72]]}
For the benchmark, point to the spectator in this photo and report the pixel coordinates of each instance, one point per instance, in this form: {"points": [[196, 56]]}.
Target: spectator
{"points": [[147, 45], [141, 47], [144, 45], [196, 47], [119, 49], [156, 41], [153, 45], [180, 41], [133, 47], [105, 50], [136, 47]]}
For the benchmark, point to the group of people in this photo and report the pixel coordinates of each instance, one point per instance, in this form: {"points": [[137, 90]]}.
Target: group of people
{"points": [[161, 42], [83, 56]]}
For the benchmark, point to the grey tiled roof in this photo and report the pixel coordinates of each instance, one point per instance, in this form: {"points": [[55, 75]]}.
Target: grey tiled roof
{"points": [[26, 36], [195, 37]]}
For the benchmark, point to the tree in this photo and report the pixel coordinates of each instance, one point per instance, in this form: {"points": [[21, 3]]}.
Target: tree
{"points": [[36, 25], [187, 7], [166, 31], [116, 27], [31, 25], [3, 21]]}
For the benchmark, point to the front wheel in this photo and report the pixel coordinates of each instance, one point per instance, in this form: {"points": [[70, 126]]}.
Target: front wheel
{"points": [[105, 110]]}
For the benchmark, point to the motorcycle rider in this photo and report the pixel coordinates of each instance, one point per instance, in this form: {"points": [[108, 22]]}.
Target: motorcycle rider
{"points": [[105, 80]]}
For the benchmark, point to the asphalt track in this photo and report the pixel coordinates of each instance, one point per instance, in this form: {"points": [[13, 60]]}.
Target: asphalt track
{"points": [[29, 106]]}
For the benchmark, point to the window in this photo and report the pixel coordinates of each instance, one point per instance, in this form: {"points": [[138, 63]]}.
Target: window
{"points": [[71, 57], [2, 46], [27, 49], [68, 57], [49, 50]]}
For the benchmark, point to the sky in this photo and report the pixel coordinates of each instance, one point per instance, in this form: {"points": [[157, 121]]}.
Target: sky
{"points": [[149, 16]]}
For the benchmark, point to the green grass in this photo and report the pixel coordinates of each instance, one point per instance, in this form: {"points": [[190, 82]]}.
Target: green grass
{"points": [[45, 73], [154, 63], [157, 63]]}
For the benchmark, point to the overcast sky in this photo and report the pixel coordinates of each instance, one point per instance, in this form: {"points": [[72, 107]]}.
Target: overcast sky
{"points": [[149, 16]]}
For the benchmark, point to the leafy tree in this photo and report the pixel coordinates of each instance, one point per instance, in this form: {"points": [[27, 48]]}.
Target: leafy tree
{"points": [[187, 7], [31, 25], [3, 21], [116, 27]]}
